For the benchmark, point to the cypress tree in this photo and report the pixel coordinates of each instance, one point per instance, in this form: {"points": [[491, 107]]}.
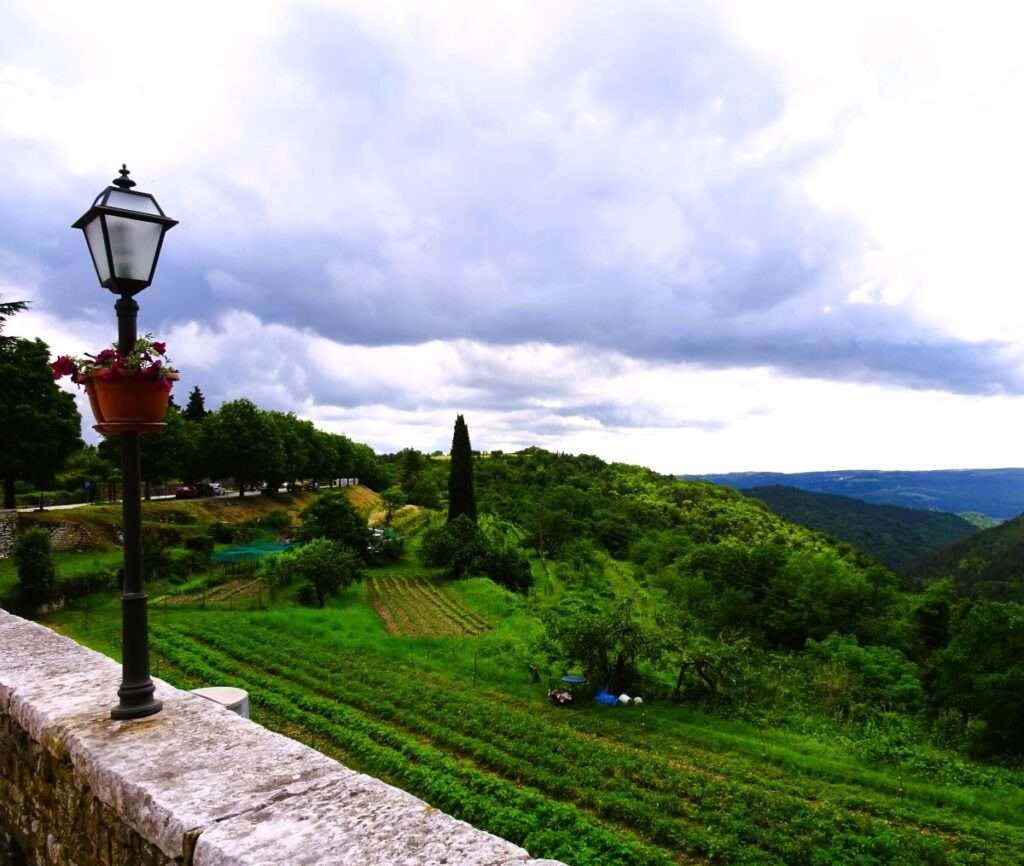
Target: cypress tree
{"points": [[196, 408], [461, 499]]}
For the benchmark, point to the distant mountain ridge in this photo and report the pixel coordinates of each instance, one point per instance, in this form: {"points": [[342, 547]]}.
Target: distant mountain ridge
{"points": [[891, 533], [997, 493]]}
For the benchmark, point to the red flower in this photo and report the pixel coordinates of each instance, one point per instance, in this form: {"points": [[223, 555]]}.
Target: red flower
{"points": [[63, 366], [107, 357], [160, 348]]}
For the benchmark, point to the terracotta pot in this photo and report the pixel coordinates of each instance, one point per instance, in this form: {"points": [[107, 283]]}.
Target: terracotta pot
{"points": [[128, 401]]}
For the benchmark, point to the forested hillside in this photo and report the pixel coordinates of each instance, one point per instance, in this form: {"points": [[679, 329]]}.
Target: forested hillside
{"points": [[894, 535], [989, 564], [997, 493]]}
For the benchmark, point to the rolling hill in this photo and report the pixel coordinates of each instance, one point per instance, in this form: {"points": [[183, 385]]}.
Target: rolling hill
{"points": [[989, 563], [996, 493], [892, 534]]}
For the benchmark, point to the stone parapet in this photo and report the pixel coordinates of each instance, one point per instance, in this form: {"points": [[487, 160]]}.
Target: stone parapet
{"points": [[195, 785]]}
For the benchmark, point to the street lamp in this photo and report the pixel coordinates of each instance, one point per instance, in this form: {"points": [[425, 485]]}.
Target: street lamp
{"points": [[124, 230]]}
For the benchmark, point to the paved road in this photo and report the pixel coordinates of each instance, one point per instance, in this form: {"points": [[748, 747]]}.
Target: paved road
{"points": [[230, 494]]}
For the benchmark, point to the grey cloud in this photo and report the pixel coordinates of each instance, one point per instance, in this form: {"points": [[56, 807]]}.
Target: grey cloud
{"points": [[437, 203]]}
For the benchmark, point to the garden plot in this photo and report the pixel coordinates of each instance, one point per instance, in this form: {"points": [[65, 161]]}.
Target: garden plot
{"points": [[415, 607]]}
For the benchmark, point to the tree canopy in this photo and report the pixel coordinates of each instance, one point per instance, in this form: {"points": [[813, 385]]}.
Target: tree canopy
{"points": [[41, 425]]}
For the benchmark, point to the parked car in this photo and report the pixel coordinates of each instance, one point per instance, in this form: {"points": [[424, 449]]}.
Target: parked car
{"points": [[186, 491], [217, 488]]}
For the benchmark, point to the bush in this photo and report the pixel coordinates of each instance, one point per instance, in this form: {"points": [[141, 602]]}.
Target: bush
{"points": [[323, 565], [156, 561], [509, 568], [37, 577], [385, 548], [223, 533], [335, 518], [863, 681], [458, 546], [201, 544], [278, 520]]}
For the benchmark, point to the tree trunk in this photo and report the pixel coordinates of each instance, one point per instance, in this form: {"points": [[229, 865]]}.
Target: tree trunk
{"points": [[679, 679], [241, 490], [148, 491], [8, 493]]}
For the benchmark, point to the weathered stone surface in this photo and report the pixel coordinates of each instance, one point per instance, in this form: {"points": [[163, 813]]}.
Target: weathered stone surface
{"points": [[357, 820], [193, 784]]}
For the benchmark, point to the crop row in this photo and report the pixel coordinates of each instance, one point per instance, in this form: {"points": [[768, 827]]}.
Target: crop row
{"points": [[415, 607], [522, 816], [656, 799], [638, 751]]}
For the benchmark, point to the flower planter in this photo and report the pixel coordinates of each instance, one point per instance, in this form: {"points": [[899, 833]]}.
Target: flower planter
{"points": [[123, 400]]}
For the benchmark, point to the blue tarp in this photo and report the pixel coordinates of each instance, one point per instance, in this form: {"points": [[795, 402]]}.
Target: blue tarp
{"points": [[602, 697]]}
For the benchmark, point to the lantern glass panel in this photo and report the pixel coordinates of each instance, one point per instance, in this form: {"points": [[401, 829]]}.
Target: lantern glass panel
{"points": [[98, 250], [133, 246], [132, 201]]}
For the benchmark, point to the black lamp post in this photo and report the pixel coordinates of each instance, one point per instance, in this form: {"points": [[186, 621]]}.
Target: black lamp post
{"points": [[124, 230]]}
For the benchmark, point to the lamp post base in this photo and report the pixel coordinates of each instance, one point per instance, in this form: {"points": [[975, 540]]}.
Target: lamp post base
{"points": [[135, 711], [136, 701]]}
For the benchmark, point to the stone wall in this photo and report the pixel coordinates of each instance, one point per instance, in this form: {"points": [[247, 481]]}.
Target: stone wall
{"points": [[194, 785], [71, 536], [8, 532]]}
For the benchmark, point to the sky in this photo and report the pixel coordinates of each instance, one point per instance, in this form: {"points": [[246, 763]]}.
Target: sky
{"points": [[701, 237]]}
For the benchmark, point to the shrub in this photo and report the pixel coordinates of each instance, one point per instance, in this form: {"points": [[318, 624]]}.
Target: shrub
{"points": [[278, 520], [456, 546], [323, 565], [385, 547], [335, 518], [37, 577], [201, 544], [223, 533]]}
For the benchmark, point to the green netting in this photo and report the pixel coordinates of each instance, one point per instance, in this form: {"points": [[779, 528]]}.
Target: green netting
{"points": [[256, 550]]}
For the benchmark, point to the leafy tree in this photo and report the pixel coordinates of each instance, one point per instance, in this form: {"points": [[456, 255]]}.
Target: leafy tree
{"points": [[873, 678], [41, 424], [981, 672], [37, 577], [241, 443], [934, 613], [603, 636], [334, 517], [324, 567], [457, 546], [705, 663], [509, 568], [169, 454], [195, 410], [410, 464], [87, 464], [425, 491], [461, 496], [393, 499]]}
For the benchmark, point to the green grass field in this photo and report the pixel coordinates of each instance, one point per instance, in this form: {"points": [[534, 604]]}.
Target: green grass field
{"points": [[457, 721]]}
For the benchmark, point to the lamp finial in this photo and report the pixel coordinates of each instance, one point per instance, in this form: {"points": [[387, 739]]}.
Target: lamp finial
{"points": [[124, 182]]}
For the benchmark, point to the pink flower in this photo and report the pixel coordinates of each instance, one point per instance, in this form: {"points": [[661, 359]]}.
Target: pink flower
{"points": [[160, 348], [107, 357]]}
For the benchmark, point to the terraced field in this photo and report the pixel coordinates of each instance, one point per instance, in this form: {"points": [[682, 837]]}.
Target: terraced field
{"points": [[417, 607], [626, 787]]}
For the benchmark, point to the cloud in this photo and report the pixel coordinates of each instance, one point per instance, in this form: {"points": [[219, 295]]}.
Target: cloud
{"points": [[520, 209]]}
